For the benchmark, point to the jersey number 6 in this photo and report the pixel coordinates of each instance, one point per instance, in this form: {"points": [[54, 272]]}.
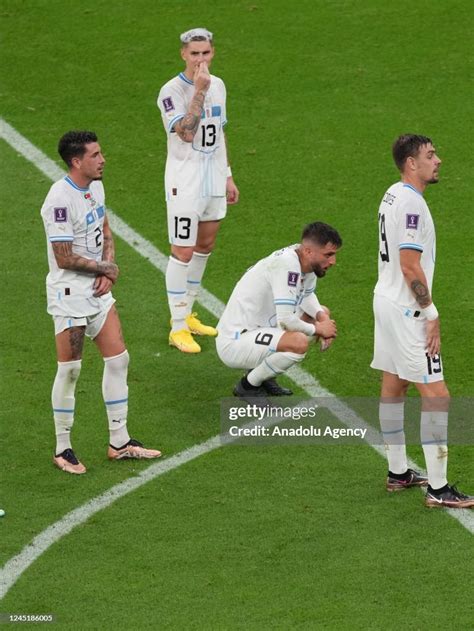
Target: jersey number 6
{"points": [[264, 339]]}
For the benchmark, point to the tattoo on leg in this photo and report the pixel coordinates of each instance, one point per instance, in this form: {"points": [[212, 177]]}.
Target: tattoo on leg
{"points": [[76, 341]]}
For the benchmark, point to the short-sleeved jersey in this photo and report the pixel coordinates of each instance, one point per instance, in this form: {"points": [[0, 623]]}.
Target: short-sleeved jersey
{"points": [[405, 222], [274, 280], [73, 214], [199, 168]]}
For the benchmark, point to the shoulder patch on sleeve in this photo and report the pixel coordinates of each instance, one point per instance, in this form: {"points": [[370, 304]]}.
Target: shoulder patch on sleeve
{"points": [[293, 279], [412, 221], [60, 215], [168, 104]]}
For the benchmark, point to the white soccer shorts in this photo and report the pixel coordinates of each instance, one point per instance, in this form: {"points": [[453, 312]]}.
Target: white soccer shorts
{"points": [[249, 348], [184, 216], [93, 323], [400, 344]]}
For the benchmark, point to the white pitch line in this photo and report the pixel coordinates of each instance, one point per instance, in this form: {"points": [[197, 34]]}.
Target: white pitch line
{"points": [[15, 567]]}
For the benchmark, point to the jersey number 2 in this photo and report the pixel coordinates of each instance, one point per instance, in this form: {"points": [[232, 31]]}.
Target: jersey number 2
{"points": [[383, 239]]}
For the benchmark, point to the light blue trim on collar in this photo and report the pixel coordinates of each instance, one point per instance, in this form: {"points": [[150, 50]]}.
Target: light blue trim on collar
{"points": [[78, 188], [185, 78], [413, 189]]}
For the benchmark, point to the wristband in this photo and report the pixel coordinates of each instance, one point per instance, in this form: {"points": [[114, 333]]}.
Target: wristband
{"points": [[431, 312], [229, 172]]}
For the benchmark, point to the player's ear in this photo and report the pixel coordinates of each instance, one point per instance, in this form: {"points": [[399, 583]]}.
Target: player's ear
{"points": [[410, 163]]}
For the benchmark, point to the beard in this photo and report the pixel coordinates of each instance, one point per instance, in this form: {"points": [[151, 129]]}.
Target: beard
{"points": [[319, 271]]}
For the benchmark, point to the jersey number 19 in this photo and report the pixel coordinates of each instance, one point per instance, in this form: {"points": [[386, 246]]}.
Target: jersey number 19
{"points": [[383, 239]]}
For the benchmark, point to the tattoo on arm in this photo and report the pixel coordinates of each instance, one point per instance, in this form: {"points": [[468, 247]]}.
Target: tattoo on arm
{"points": [[186, 128], [108, 251], [66, 259], [422, 295]]}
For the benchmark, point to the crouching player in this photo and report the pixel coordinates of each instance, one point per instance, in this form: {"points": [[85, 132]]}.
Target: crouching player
{"points": [[273, 313]]}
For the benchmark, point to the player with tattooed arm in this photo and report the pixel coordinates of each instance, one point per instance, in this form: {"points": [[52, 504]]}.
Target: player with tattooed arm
{"points": [[407, 329], [198, 180], [82, 270]]}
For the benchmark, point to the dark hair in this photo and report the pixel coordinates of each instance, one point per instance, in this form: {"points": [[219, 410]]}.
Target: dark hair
{"points": [[406, 146], [73, 145], [322, 234]]}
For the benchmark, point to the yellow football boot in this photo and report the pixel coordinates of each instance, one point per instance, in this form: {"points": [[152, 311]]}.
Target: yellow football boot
{"points": [[183, 340], [198, 328]]}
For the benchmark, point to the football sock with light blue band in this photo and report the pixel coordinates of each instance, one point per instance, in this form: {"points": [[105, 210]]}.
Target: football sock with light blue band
{"points": [[391, 416], [196, 269], [272, 366], [176, 287], [63, 402], [115, 393]]}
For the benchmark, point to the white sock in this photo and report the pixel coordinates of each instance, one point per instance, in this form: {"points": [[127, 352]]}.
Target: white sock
{"points": [[176, 287], [391, 416], [272, 366], [434, 439], [115, 393], [196, 269], [63, 401]]}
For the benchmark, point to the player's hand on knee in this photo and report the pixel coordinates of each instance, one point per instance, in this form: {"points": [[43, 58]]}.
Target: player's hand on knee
{"points": [[433, 337], [326, 329]]}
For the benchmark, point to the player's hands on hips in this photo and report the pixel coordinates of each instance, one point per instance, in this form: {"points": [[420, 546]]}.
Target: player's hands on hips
{"points": [[232, 191], [433, 337], [202, 78], [102, 285]]}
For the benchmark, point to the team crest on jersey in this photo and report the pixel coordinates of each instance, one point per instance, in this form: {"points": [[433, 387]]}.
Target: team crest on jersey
{"points": [[60, 215], [293, 279], [168, 104], [412, 222]]}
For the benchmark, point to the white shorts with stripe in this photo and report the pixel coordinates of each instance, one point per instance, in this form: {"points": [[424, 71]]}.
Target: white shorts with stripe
{"points": [[249, 348], [93, 323], [400, 344]]}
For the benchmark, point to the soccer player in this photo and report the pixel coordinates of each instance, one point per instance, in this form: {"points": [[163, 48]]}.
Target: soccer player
{"points": [[407, 330], [198, 180], [81, 274], [273, 313]]}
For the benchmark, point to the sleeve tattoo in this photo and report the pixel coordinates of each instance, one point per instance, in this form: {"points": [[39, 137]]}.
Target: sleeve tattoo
{"points": [[66, 259], [422, 295], [186, 128], [108, 252]]}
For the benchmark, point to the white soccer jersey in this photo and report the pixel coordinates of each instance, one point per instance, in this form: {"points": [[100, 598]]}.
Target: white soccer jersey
{"points": [[404, 223], [195, 169], [74, 214], [274, 280]]}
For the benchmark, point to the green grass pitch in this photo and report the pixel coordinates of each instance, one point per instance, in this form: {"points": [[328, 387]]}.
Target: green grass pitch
{"points": [[245, 537]]}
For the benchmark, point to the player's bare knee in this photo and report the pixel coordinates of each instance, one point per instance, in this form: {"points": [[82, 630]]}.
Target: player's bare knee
{"points": [[299, 343], [184, 255], [205, 246]]}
